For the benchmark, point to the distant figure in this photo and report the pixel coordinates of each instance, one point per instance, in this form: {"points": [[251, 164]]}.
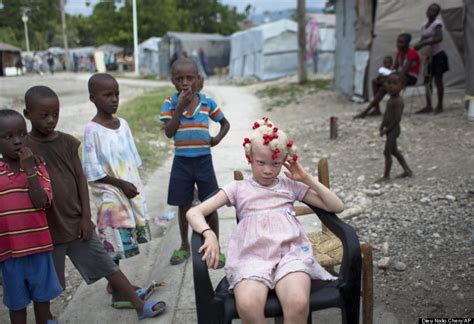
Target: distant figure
{"points": [[407, 62], [203, 60], [91, 64], [37, 62], [437, 62], [390, 126], [50, 60], [75, 60]]}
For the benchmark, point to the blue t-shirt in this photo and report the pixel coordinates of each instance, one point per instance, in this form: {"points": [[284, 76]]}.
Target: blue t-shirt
{"points": [[192, 137]]}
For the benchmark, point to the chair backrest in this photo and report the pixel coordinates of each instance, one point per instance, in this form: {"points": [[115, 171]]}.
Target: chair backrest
{"points": [[323, 177]]}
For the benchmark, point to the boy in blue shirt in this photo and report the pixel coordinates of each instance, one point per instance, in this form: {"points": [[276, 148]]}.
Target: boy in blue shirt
{"points": [[186, 116]]}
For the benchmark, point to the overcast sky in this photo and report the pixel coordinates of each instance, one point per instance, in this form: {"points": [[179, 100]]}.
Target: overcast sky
{"points": [[79, 6]]}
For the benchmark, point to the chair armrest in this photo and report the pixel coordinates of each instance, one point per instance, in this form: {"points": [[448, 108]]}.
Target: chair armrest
{"points": [[203, 290], [351, 259]]}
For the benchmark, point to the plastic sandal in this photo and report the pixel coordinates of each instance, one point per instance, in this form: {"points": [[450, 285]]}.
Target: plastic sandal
{"points": [[148, 311], [179, 256], [221, 261], [53, 321]]}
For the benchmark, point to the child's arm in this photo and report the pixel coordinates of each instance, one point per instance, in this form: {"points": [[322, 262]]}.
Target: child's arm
{"points": [[184, 100], [128, 188], [225, 126], [430, 40], [318, 195], [38, 195], [85, 227], [196, 218]]}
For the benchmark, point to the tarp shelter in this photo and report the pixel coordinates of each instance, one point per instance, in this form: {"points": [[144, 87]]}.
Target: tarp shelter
{"points": [[10, 60], [469, 47], [268, 51], [359, 54], [216, 48], [148, 56]]}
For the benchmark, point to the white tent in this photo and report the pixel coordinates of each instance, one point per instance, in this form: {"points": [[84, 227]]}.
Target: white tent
{"points": [[267, 51], [148, 56]]}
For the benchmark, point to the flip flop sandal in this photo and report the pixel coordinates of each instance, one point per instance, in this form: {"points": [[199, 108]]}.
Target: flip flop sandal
{"points": [[221, 261], [148, 311], [179, 256], [125, 304]]}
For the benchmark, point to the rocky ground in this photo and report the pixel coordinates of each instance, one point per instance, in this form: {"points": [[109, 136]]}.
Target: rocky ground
{"points": [[421, 228]]}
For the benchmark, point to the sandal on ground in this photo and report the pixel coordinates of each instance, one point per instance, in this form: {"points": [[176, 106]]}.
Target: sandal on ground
{"points": [[179, 256], [221, 261], [126, 304], [52, 321], [149, 312]]}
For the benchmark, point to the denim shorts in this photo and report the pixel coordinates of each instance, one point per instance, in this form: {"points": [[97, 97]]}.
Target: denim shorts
{"points": [[29, 278], [187, 171]]}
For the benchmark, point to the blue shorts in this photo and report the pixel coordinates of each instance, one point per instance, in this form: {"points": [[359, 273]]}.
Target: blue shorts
{"points": [[187, 171], [29, 278]]}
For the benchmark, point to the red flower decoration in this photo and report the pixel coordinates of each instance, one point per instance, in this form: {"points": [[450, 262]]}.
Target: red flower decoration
{"points": [[246, 141], [295, 157], [289, 144], [275, 129]]}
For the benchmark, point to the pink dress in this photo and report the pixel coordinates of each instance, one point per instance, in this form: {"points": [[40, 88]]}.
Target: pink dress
{"points": [[268, 242]]}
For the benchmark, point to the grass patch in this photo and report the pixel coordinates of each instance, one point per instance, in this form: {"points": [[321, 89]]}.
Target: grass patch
{"points": [[142, 113], [282, 95]]}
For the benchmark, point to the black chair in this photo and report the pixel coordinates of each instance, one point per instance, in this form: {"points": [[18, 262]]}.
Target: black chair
{"points": [[218, 306]]}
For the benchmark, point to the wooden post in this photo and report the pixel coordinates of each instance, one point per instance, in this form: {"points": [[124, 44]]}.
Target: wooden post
{"points": [[333, 128], [323, 177], [367, 284]]}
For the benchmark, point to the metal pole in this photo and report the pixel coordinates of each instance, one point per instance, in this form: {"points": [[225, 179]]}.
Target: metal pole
{"points": [[25, 21], [135, 39], [66, 48]]}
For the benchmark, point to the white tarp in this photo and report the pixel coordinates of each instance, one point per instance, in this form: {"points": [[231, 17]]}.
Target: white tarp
{"points": [[266, 52], [148, 56]]}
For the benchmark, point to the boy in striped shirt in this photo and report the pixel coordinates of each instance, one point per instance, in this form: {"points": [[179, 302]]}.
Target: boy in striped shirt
{"points": [[25, 242], [186, 116]]}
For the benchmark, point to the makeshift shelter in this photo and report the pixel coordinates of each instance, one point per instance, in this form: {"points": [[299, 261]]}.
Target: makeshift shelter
{"points": [[215, 46], [10, 60], [266, 52], [359, 54], [148, 56]]}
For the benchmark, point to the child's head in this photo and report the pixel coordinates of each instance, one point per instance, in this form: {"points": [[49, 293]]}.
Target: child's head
{"points": [[433, 11], [42, 109], [266, 150], [403, 41], [387, 62], [104, 92], [12, 133], [393, 84], [185, 75]]}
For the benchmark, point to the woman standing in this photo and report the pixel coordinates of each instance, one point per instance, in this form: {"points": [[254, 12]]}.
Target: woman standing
{"points": [[437, 61]]}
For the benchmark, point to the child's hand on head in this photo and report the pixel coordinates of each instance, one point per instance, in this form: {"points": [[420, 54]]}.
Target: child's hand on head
{"points": [[295, 170], [128, 189]]}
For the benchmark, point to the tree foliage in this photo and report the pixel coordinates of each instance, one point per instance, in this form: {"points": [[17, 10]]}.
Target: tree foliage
{"points": [[111, 21]]}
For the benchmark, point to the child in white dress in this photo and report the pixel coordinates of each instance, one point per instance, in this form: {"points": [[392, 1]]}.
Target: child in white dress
{"points": [[269, 248]]}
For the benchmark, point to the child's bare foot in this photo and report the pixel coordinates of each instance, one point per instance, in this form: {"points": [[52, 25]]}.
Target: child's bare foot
{"points": [[360, 115], [438, 110], [383, 179], [375, 112], [425, 110], [406, 174]]}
